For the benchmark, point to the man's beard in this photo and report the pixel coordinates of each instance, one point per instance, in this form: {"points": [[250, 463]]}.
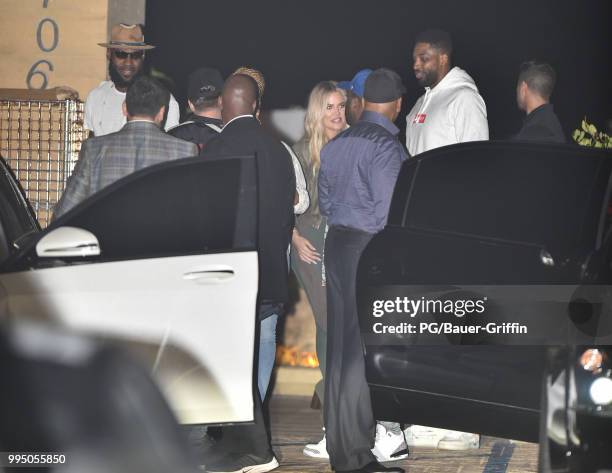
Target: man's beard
{"points": [[429, 79], [119, 81]]}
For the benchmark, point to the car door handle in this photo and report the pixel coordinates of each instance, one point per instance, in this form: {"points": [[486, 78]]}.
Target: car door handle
{"points": [[210, 276]]}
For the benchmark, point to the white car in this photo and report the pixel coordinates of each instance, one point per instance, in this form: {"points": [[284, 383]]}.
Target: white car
{"points": [[163, 262]]}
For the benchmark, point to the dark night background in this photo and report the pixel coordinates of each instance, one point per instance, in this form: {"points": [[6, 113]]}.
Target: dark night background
{"points": [[298, 43]]}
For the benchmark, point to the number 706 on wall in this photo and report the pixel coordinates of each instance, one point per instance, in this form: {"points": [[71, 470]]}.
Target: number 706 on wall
{"points": [[45, 44]]}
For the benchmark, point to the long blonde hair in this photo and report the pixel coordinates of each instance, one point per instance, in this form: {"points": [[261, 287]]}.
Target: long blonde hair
{"points": [[313, 123]]}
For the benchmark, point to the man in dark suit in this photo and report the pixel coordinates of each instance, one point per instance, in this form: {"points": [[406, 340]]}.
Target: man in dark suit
{"points": [[140, 143], [247, 448], [536, 83]]}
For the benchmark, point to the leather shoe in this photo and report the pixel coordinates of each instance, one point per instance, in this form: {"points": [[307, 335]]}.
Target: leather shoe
{"points": [[243, 463]]}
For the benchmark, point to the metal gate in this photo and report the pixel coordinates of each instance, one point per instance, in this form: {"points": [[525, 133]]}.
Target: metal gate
{"points": [[40, 140]]}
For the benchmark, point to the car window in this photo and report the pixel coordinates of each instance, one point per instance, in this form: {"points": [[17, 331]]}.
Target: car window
{"points": [[534, 194], [187, 206], [16, 218]]}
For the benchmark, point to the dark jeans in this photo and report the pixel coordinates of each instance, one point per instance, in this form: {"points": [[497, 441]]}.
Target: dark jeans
{"points": [[349, 422]]}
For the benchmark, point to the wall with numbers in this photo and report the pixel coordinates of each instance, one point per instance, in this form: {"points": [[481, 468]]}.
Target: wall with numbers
{"points": [[48, 43]]}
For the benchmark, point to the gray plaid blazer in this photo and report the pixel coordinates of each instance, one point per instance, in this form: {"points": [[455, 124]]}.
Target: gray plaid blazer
{"points": [[106, 159]]}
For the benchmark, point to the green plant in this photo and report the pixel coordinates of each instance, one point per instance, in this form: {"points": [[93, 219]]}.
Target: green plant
{"points": [[589, 136]]}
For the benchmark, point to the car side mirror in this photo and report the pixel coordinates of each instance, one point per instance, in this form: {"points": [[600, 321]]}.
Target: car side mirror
{"points": [[68, 242]]}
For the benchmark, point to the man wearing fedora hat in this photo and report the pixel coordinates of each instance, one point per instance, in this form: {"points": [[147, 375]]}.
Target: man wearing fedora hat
{"points": [[125, 52]]}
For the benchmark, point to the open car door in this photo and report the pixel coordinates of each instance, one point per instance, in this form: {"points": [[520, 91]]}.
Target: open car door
{"points": [[165, 261]]}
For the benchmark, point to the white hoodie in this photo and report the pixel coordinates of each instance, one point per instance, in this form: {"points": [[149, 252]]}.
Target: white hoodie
{"points": [[452, 112]]}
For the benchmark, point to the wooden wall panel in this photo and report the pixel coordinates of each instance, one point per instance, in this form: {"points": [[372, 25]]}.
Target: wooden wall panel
{"points": [[64, 33]]}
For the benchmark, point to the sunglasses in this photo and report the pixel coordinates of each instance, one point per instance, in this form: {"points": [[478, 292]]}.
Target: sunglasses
{"points": [[136, 55]]}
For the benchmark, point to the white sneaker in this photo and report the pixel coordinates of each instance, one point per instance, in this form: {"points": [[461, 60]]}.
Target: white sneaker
{"points": [[316, 450], [386, 446], [454, 440], [431, 437], [421, 436], [389, 446]]}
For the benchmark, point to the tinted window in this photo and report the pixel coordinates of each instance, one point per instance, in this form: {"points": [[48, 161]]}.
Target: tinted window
{"points": [[529, 193], [188, 206]]}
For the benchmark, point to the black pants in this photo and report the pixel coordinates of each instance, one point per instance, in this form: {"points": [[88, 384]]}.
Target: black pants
{"points": [[349, 422]]}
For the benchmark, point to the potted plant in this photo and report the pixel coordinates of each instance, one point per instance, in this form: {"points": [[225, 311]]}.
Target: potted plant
{"points": [[588, 135]]}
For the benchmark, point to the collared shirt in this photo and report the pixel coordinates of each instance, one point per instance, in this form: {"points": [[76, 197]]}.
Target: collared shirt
{"points": [[359, 168], [143, 120]]}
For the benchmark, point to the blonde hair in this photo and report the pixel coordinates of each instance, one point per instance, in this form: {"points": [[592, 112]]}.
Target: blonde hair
{"points": [[256, 75], [313, 123]]}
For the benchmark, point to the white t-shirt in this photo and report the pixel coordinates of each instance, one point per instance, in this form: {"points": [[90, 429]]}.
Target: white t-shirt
{"points": [[104, 114]]}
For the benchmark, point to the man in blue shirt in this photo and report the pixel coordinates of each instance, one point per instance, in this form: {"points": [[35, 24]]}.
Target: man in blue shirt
{"points": [[358, 172]]}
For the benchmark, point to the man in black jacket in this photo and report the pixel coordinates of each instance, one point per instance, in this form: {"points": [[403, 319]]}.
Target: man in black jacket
{"points": [[247, 448], [204, 122], [535, 85]]}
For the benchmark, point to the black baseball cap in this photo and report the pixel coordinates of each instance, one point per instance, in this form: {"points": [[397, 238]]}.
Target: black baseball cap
{"points": [[205, 83], [383, 86]]}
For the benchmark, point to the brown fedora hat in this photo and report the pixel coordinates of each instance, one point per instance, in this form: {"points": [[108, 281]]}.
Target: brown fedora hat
{"points": [[126, 37]]}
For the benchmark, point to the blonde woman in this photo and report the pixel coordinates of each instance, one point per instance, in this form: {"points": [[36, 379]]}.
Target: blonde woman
{"points": [[325, 118]]}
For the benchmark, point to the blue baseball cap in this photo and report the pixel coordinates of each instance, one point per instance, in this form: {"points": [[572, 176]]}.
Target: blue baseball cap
{"points": [[357, 84]]}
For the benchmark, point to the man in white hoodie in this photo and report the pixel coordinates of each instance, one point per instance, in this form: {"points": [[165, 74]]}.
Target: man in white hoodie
{"points": [[451, 110]]}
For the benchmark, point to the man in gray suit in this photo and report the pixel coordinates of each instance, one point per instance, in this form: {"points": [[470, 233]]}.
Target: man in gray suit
{"points": [[140, 143]]}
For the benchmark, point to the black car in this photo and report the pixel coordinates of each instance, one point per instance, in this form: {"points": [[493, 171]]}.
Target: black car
{"points": [[515, 237]]}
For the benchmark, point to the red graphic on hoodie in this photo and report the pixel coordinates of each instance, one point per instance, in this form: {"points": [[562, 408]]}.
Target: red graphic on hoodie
{"points": [[419, 118]]}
